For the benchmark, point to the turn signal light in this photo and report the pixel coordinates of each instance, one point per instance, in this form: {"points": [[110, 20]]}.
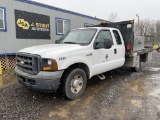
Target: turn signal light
{"points": [[47, 68], [55, 65], [103, 21]]}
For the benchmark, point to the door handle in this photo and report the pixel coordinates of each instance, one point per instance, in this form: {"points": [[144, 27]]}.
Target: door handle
{"points": [[115, 51], [106, 56]]}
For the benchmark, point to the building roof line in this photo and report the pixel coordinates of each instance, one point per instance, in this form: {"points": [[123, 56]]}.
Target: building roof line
{"points": [[58, 9], [7, 54]]}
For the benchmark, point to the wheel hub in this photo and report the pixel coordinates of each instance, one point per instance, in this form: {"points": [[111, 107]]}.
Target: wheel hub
{"points": [[76, 84]]}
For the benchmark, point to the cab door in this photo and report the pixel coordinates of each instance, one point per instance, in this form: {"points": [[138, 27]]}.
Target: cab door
{"points": [[120, 48], [104, 59]]}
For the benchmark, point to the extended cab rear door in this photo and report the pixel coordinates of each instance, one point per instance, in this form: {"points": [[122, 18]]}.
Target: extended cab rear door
{"points": [[120, 47]]}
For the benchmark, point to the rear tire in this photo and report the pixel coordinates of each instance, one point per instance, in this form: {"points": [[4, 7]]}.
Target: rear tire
{"points": [[74, 83]]}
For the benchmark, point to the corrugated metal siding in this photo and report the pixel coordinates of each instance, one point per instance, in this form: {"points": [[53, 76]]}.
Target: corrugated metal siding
{"points": [[8, 41]]}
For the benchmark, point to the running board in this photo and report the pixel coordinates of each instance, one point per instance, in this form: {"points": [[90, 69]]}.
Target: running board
{"points": [[101, 76]]}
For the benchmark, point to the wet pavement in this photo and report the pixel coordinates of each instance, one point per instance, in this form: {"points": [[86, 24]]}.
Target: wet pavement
{"points": [[7, 79], [123, 95]]}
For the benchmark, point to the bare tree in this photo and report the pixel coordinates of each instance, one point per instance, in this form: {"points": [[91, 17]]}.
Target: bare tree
{"points": [[145, 27], [148, 28], [158, 31], [113, 17], [140, 28], [153, 28]]}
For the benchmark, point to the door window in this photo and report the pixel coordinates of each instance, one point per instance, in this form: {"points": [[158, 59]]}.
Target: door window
{"points": [[104, 34]]}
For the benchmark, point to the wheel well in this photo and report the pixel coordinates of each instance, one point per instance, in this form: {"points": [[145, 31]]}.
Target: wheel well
{"points": [[78, 65]]}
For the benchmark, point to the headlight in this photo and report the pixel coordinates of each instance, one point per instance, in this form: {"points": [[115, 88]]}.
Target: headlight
{"points": [[49, 62], [49, 65]]}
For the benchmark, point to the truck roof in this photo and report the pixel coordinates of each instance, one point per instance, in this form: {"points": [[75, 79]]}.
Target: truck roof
{"points": [[98, 28]]}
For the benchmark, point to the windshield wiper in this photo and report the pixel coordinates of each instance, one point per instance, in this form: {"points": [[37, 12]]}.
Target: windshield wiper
{"points": [[70, 42]]}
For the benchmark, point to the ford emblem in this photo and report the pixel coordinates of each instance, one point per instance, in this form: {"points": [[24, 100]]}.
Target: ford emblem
{"points": [[22, 62]]}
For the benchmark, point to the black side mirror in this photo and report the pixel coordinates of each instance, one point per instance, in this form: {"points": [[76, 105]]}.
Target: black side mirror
{"points": [[57, 41], [108, 43]]}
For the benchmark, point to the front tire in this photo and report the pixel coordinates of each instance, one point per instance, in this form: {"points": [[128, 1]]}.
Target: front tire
{"points": [[74, 83]]}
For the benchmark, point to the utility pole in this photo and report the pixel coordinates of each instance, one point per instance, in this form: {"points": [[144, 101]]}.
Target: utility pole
{"points": [[138, 19]]}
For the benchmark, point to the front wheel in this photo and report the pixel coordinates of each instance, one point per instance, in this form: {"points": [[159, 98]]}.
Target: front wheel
{"points": [[74, 83]]}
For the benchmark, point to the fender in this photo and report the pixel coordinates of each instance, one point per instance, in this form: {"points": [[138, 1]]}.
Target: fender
{"points": [[77, 59]]}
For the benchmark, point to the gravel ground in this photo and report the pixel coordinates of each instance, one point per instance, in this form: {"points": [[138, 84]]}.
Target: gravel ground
{"points": [[123, 95]]}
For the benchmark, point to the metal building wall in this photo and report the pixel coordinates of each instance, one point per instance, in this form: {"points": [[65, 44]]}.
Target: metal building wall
{"points": [[9, 43]]}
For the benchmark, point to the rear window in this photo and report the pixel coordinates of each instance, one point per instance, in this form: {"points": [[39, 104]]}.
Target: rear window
{"points": [[117, 37]]}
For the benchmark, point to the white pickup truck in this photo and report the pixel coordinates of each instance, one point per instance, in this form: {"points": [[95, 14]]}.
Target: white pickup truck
{"points": [[79, 55]]}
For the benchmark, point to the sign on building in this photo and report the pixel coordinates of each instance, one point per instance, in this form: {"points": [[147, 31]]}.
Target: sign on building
{"points": [[31, 25]]}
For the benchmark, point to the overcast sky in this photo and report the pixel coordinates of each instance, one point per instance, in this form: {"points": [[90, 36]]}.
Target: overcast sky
{"points": [[126, 9]]}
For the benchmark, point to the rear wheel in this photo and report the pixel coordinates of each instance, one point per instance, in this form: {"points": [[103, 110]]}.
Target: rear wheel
{"points": [[74, 83]]}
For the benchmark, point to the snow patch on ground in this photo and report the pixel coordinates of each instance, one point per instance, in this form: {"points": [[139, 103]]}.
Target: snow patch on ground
{"points": [[136, 74], [155, 93], [158, 107], [153, 69], [156, 76]]}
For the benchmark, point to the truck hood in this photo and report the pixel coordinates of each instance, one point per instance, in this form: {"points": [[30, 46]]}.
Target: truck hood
{"points": [[51, 50]]}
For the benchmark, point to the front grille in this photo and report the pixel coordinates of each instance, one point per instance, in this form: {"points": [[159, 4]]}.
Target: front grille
{"points": [[28, 63]]}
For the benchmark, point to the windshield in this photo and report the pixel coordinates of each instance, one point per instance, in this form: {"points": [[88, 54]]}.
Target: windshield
{"points": [[79, 36]]}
